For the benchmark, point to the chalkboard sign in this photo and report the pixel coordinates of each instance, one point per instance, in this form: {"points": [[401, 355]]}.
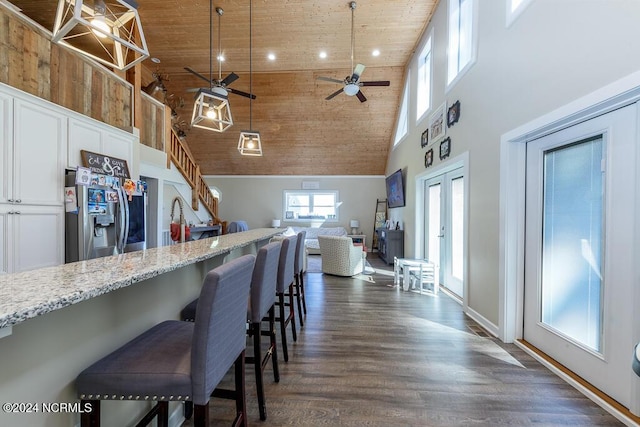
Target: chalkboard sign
{"points": [[105, 165]]}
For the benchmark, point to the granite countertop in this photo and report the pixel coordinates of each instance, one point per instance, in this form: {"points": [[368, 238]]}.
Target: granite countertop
{"points": [[34, 293]]}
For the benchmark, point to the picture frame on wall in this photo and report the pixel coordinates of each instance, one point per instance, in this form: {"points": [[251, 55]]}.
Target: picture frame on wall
{"points": [[288, 215], [453, 114], [436, 124], [424, 139], [445, 148], [428, 158]]}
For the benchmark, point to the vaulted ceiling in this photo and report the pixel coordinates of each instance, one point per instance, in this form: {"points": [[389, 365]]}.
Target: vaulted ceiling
{"points": [[302, 133]]}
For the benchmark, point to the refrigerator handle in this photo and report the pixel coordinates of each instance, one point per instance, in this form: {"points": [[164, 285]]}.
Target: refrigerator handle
{"points": [[121, 222], [126, 220]]}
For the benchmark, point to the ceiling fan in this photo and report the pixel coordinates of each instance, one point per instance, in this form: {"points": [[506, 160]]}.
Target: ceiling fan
{"points": [[218, 86], [352, 83]]}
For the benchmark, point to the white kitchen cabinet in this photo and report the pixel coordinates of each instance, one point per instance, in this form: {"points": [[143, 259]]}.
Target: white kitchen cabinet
{"points": [[6, 134], [31, 237], [90, 135], [35, 155], [4, 223], [82, 136]]}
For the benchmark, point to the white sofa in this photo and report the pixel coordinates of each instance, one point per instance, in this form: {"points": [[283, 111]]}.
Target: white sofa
{"points": [[311, 241]]}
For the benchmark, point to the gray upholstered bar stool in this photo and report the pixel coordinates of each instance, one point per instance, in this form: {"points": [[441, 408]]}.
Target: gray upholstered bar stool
{"points": [[298, 271], [284, 289], [181, 361], [261, 308]]}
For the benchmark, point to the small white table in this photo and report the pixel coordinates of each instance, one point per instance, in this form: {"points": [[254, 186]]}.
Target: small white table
{"points": [[423, 270]]}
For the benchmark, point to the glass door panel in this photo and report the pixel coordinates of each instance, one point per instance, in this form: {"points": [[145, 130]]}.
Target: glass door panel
{"points": [[434, 232], [457, 227], [572, 238]]}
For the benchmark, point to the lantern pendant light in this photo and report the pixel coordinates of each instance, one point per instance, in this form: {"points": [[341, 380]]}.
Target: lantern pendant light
{"points": [[249, 143], [109, 33], [211, 111]]}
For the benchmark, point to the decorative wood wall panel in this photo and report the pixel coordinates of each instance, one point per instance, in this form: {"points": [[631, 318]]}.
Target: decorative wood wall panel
{"points": [[30, 62], [152, 129]]}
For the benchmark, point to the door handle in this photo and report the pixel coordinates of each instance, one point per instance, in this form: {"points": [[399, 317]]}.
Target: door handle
{"points": [[10, 200], [440, 235], [18, 200]]}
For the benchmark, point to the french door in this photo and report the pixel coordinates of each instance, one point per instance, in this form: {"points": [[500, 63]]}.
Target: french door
{"points": [[444, 226], [578, 238]]}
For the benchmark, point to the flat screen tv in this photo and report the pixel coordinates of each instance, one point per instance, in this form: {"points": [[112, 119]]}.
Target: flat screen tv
{"points": [[395, 190]]}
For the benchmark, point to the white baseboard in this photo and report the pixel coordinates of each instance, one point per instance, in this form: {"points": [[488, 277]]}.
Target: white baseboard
{"points": [[578, 386], [482, 321]]}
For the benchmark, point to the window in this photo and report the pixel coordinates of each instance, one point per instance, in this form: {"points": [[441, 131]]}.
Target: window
{"points": [[311, 205], [403, 118], [216, 192], [461, 38], [514, 9], [424, 80]]}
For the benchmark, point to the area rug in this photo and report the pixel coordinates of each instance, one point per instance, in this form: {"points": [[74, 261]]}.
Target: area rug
{"points": [[314, 265], [364, 277]]}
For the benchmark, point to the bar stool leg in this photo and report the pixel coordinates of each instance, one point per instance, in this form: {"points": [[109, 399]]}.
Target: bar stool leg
{"points": [[241, 396], [283, 326], [304, 301], [90, 419], [257, 363], [292, 314], [299, 299], [201, 415], [272, 341]]}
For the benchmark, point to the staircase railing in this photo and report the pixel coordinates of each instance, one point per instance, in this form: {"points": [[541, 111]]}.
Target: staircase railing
{"points": [[187, 166]]}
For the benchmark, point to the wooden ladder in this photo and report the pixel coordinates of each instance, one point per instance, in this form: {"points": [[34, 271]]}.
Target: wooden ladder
{"points": [[379, 220]]}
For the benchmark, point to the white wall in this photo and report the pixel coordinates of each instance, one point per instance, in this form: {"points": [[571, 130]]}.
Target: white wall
{"points": [[258, 199], [555, 52]]}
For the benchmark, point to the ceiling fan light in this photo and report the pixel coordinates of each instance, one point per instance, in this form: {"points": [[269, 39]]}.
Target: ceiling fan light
{"points": [[249, 143], [351, 89], [110, 35]]}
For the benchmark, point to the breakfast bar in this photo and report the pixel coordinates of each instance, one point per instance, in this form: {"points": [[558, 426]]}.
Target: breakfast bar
{"points": [[56, 321]]}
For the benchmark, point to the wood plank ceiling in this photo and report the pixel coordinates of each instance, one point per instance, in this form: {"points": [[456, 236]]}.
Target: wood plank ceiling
{"points": [[302, 133]]}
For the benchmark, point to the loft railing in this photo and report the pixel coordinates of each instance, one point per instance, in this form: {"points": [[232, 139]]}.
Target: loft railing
{"points": [[187, 166]]}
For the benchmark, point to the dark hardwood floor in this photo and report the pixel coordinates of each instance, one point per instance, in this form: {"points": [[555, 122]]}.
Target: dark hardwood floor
{"points": [[370, 355]]}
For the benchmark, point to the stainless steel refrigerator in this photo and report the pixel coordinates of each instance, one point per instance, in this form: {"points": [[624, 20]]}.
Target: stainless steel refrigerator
{"points": [[106, 221]]}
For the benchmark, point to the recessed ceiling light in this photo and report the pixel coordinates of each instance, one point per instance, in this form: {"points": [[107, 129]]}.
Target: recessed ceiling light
{"points": [[155, 60], [271, 56], [323, 55], [375, 52]]}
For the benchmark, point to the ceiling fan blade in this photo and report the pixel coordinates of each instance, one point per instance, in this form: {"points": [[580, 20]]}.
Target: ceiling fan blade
{"points": [[241, 93], [195, 73], [329, 79], [333, 95], [357, 72], [229, 79], [376, 83], [193, 89], [361, 96]]}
